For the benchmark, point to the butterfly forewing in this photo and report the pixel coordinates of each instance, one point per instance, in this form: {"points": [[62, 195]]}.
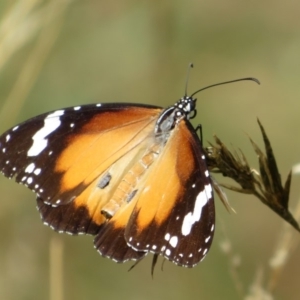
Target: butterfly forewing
{"points": [[60, 156]]}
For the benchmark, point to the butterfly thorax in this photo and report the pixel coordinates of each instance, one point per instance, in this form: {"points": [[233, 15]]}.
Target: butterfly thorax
{"points": [[183, 108]]}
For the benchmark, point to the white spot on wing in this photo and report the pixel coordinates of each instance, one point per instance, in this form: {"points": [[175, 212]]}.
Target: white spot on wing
{"points": [[77, 107], [37, 171], [30, 168], [207, 239], [206, 173], [7, 138], [192, 217], [167, 236], [51, 123], [173, 241]]}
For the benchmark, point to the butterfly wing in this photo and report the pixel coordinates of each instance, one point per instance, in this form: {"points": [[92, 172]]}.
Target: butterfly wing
{"points": [[75, 160], [172, 212], [61, 156]]}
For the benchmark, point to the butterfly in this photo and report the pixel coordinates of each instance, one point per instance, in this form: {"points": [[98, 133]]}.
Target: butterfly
{"points": [[132, 175]]}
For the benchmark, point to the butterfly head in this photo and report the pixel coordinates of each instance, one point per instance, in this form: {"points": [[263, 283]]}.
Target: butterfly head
{"points": [[187, 106]]}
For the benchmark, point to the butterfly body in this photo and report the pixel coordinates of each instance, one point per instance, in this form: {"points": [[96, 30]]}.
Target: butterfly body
{"points": [[133, 175]]}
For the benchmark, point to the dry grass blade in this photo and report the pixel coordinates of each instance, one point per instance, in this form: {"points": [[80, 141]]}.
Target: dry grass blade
{"points": [[266, 184], [44, 21], [222, 195]]}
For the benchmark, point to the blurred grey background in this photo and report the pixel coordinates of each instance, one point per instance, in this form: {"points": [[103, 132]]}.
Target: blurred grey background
{"points": [[61, 53]]}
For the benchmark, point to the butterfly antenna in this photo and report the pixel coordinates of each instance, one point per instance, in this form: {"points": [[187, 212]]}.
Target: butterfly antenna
{"points": [[187, 78], [225, 82]]}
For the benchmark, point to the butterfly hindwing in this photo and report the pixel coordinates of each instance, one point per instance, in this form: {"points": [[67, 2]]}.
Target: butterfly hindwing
{"points": [[110, 242], [68, 218], [172, 211], [174, 216]]}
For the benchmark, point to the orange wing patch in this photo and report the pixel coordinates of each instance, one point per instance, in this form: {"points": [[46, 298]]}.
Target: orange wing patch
{"points": [[95, 168], [89, 154]]}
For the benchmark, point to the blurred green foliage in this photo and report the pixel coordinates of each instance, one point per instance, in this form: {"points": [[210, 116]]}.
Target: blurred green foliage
{"points": [[63, 53]]}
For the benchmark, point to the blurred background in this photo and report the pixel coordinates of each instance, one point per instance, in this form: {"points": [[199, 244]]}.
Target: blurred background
{"points": [[61, 53]]}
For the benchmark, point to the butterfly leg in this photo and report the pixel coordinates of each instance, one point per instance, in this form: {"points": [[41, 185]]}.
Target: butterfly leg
{"points": [[199, 130]]}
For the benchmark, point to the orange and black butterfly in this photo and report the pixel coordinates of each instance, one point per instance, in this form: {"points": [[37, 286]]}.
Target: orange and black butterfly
{"points": [[133, 175]]}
